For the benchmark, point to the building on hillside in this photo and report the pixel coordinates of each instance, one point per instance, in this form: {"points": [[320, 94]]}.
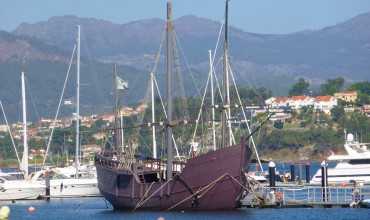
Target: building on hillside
{"points": [[141, 108], [347, 96], [99, 136], [277, 102], [281, 116], [89, 150], [107, 117], [325, 103], [298, 102], [3, 128], [294, 102], [351, 108], [366, 110]]}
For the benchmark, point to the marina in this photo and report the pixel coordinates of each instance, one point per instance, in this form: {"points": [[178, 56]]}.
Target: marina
{"points": [[157, 119]]}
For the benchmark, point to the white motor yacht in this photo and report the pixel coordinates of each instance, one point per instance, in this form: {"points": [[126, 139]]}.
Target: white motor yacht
{"points": [[63, 185], [354, 166], [19, 189]]}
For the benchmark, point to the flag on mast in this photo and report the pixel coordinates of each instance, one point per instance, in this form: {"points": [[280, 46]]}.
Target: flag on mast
{"points": [[121, 84]]}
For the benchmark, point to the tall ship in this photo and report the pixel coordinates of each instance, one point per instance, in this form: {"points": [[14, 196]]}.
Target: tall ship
{"points": [[211, 180]]}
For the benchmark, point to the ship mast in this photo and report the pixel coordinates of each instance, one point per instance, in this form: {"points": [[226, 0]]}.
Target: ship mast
{"points": [[115, 109], [212, 101], [169, 66], [77, 160], [25, 140], [153, 116], [226, 123]]}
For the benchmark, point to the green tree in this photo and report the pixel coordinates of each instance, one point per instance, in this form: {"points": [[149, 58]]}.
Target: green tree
{"points": [[363, 89], [332, 86], [300, 88]]}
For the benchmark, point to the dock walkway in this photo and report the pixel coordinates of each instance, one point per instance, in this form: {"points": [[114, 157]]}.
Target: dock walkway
{"points": [[307, 196]]}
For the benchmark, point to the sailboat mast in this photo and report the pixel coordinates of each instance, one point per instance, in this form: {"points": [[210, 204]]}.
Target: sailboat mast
{"points": [[212, 101], [169, 65], [77, 161], [226, 123], [153, 116], [25, 139], [115, 110]]}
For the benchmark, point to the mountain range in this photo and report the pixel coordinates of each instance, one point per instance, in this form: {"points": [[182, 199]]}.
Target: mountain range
{"points": [[42, 49]]}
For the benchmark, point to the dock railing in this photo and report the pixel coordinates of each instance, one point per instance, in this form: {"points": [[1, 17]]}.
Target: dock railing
{"points": [[315, 195]]}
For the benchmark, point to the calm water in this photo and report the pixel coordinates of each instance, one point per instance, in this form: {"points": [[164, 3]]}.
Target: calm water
{"points": [[95, 208]]}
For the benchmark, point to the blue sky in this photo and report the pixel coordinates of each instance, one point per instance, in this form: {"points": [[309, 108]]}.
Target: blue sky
{"points": [[259, 16]]}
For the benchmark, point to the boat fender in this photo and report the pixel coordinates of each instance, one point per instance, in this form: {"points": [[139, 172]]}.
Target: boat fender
{"points": [[279, 196], [4, 212]]}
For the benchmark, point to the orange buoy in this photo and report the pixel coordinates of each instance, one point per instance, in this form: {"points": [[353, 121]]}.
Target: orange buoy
{"points": [[31, 209]]}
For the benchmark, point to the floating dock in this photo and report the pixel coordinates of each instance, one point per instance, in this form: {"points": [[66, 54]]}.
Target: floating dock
{"points": [[291, 195]]}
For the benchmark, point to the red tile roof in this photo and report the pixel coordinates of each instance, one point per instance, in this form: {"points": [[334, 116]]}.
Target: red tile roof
{"points": [[324, 98], [281, 99], [299, 98]]}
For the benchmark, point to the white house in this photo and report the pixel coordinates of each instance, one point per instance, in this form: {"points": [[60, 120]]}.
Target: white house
{"points": [[298, 102], [325, 103], [277, 102]]}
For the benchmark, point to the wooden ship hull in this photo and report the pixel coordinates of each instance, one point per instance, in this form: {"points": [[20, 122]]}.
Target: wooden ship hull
{"points": [[211, 181]]}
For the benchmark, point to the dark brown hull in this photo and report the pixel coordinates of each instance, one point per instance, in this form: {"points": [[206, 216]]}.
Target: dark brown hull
{"points": [[219, 173]]}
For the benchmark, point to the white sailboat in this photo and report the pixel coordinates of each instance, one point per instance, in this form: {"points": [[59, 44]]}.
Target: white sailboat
{"points": [[73, 181], [26, 188]]}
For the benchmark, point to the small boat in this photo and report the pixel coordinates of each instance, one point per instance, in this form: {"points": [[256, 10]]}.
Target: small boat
{"points": [[352, 167], [62, 186], [78, 180], [11, 189], [258, 176], [365, 203], [19, 189]]}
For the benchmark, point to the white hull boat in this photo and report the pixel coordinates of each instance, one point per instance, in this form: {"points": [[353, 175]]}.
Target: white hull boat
{"points": [[62, 185], [64, 188], [352, 167], [20, 190]]}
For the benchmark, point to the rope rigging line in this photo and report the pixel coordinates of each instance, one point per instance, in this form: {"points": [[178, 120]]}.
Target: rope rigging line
{"points": [[93, 72], [59, 105], [32, 98], [253, 87], [218, 42], [10, 133], [177, 41], [200, 112], [159, 52], [165, 114], [207, 82], [28, 89], [180, 82], [245, 118]]}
